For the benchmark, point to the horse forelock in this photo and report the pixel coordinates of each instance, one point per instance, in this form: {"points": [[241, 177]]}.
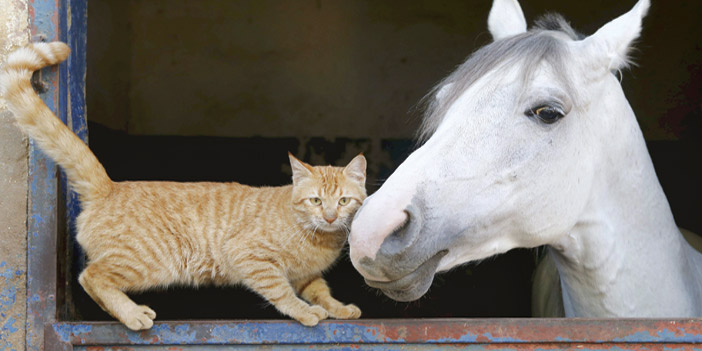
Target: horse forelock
{"points": [[528, 49], [556, 22]]}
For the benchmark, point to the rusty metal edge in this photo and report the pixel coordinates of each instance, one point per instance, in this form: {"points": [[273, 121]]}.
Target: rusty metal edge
{"points": [[393, 331], [52, 341]]}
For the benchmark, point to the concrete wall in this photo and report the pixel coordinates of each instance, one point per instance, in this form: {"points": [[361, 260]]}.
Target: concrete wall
{"points": [[13, 194], [339, 68]]}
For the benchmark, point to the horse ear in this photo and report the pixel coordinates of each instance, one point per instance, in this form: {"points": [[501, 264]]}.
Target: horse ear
{"points": [[506, 19], [300, 169], [611, 43], [356, 169]]}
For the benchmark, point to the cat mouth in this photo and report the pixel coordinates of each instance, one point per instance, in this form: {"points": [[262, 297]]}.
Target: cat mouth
{"points": [[333, 227]]}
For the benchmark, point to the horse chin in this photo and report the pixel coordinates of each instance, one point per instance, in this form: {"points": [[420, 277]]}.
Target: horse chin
{"points": [[413, 285]]}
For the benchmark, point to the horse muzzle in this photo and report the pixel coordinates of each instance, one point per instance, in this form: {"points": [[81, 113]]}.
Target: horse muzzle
{"points": [[413, 285], [403, 263]]}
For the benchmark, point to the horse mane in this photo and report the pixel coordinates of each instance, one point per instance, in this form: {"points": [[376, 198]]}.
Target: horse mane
{"points": [[529, 49]]}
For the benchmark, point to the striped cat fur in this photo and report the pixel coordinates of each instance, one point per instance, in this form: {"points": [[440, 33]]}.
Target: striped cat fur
{"points": [[276, 241]]}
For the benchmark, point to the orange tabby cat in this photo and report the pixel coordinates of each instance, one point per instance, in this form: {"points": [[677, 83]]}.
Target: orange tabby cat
{"points": [[139, 235]]}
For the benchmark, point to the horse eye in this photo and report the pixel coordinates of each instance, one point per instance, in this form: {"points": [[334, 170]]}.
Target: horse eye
{"points": [[547, 114]]}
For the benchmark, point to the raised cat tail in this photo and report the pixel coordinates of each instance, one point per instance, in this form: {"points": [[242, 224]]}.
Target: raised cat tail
{"points": [[85, 174]]}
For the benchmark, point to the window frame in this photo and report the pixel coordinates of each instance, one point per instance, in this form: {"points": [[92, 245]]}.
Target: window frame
{"points": [[52, 210]]}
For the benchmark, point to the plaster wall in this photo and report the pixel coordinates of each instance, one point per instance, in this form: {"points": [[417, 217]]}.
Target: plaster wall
{"points": [[13, 194]]}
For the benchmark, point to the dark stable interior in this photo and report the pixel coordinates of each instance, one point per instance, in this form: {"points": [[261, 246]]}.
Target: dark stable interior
{"points": [[496, 287], [340, 69]]}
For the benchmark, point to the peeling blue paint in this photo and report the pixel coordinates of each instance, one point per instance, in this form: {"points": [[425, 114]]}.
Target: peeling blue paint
{"points": [[5, 273], [660, 335], [223, 334], [500, 339], [464, 338], [42, 224], [82, 329], [8, 300], [8, 296], [680, 335], [164, 334], [386, 335], [9, 327], [65, 332]]}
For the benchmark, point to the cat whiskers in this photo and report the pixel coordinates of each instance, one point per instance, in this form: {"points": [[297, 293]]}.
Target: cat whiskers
{"points": [[310, 234], [299, 233]]}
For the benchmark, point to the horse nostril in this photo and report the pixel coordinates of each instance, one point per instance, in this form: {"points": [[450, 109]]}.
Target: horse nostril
{"points": [[403, 236], [402, 226]]}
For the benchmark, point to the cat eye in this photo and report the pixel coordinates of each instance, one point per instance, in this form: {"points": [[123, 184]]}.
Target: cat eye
{"points": [[344, 201], [546, 113], [316, 201]]}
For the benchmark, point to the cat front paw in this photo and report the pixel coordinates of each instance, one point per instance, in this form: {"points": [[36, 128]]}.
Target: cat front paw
{"points": [[312, 316], [139, 318], [349, 311]]}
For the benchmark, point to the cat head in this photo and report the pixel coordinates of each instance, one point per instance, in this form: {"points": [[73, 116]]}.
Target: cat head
{"points": [[326, 198]]}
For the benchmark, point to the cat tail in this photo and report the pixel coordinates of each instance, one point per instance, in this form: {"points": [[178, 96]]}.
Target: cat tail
{"points": [[85, 174]]}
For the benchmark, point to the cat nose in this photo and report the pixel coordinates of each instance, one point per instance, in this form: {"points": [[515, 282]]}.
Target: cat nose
{"points": [[330, 220]]}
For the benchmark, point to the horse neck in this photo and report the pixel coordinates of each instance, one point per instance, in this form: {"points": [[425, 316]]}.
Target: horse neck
{"points": [[625, 256]]}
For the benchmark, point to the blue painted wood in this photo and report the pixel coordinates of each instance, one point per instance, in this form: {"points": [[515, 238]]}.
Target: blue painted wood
{"points": [[391, 334], [42, 203], [50, 21], [76, 119]]}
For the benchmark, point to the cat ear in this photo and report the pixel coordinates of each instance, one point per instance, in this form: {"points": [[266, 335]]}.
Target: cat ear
{"points": [[300, 169], [356, 169]]}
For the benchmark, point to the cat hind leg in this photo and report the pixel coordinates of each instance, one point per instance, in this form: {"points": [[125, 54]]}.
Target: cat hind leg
{"points": [[104, 285]]}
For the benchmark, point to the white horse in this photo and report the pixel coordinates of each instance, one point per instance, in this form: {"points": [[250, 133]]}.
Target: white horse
{"points": [[531, 142]]}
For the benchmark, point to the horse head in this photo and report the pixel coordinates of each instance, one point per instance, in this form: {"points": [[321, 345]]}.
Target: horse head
{"points": [[512, 145]]}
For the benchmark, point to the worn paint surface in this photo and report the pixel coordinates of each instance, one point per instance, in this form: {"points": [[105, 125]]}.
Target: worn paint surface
{"points": [[42, 224], [411, 347], [72, 95], [14, 32], [392, 334]]}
